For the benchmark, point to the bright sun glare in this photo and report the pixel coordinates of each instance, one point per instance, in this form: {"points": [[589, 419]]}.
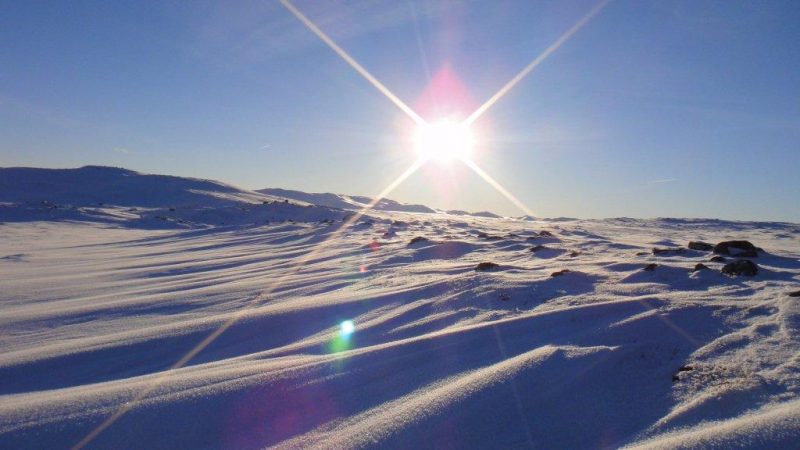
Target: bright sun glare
{"points": [[444, 141]]}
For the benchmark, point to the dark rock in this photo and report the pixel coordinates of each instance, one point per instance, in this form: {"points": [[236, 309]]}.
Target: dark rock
{"points": [[700, 246], [734, 248], [574, 254], [504, 297], [545, 233], [740, 267], [747, 254], [418, 239], [667, 251], [700, 266], [794, 294], [642, 253], [718, 259], [650, 267], [559, 273], [676, 377], [485, 266], [399, 223], [536, 248], [489, 237]]}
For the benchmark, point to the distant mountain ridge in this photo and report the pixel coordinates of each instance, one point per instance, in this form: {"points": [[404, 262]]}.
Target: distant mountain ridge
{"points": [[123, 196], [357, 202], [91, 185], [127, 198], [348, 202]]}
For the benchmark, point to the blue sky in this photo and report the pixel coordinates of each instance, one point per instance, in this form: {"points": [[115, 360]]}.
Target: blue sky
{"points": [[653, 109]]}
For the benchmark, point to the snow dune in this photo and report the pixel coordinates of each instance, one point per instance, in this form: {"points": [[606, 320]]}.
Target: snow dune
{"points": [[98, 302]]}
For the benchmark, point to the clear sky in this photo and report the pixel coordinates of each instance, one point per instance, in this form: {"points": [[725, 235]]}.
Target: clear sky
{"points": [[653, 109]]}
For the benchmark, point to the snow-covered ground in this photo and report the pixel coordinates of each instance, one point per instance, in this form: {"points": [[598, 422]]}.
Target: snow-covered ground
{"points": [[104, 288]]}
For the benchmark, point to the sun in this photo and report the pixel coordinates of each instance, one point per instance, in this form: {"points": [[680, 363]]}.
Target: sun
{"points": [[444, 141]]}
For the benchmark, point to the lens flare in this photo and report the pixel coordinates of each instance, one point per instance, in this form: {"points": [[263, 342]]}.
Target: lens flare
{"points": [[347, 328], [444, 141]]}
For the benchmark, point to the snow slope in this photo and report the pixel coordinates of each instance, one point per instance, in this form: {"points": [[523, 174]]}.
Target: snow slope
{"points": [[94, 312], [127, 198]]}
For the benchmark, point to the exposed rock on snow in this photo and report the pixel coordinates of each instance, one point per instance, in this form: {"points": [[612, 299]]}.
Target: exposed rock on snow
{"points": [[700, 246], [741, 267], [677, 376], [736, 248], [489, 237], [668, 251], [486, 266]]}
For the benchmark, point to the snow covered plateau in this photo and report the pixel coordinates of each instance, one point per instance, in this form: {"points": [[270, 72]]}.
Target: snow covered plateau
{"points": [[146, 311]]}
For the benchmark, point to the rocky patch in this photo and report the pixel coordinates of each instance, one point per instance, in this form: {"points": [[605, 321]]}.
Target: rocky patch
{"points": [[667, 251], [741, 267], [486, 266], [742, 249], [700, 246], [677, 377]]}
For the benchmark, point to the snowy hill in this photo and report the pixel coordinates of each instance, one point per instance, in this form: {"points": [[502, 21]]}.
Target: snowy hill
{"points": [[357, 202], [406, 330], [91, 185], [128, 198]]}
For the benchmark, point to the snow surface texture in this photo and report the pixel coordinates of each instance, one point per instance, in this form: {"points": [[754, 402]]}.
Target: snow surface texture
{"points": [[98, 301]]}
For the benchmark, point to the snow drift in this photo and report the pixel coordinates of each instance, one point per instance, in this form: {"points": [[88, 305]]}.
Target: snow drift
{"points": [[573, 345]]}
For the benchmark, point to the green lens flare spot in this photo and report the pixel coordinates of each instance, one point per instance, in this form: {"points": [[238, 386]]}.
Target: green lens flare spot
{"points": [[347, 328]]}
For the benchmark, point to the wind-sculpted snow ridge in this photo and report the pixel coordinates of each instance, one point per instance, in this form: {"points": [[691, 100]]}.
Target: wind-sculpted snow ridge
{"points": [[564, 341]]}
